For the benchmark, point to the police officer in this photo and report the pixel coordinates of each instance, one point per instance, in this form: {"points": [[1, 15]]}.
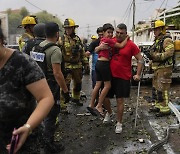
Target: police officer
{"points": [[28, 24], [39, 33], [161, 54], [55, 78], [74, 59]]}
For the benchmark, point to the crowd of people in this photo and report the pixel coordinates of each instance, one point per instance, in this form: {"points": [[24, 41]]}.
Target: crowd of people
{"points": [[35, 84]]}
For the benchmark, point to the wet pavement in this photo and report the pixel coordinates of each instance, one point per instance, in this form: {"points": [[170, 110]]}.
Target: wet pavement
{"points": [[82, 133]]}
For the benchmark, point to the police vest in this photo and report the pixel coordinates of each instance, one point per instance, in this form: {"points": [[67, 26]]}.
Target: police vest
{"points": [[39, 56]]}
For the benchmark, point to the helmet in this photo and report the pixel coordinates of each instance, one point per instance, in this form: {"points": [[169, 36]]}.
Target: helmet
{"points": [[69, 23], [158, 23], [93, 37], [39, 30], [29, 20]]}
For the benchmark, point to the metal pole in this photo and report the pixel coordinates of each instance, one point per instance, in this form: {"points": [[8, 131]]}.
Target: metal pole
{"points": [[137, 104], [133, 28], [137, 101]]}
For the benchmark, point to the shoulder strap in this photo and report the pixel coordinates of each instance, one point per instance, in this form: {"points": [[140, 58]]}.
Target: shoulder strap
{"points": [[79, 40], [162, 42], [49, 45]]}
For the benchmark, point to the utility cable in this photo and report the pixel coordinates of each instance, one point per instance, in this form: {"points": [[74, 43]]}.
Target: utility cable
{"points": [[34, 5], [160, 8], [128, 10]]}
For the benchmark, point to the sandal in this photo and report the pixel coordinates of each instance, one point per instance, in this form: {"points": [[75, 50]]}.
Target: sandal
{"points": [[92, 111], [99, 113]]}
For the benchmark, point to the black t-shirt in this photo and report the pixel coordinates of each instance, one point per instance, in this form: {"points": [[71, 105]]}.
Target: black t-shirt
{"points": [[93, 45], [16, 101]]}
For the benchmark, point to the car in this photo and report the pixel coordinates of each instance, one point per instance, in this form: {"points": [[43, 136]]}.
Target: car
{"points": [[147, 71], [13, 46]]}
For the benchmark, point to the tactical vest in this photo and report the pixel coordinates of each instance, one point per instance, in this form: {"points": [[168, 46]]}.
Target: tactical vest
{"points": [[71, 49]]}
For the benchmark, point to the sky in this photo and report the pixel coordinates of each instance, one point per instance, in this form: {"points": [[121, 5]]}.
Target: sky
{"points": [[91, 14]]}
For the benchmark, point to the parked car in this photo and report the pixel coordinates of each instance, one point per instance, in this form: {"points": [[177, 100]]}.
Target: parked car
{"points": [[13, 46], [147, 71]]}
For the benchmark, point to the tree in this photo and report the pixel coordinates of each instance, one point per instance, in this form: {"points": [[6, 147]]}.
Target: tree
{"points": [[15, 19], [44, 17], [14, 22], [24, 12]]}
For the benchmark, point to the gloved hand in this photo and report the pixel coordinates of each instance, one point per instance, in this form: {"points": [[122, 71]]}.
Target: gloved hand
{"points": [[66, 97], [148, 55]]}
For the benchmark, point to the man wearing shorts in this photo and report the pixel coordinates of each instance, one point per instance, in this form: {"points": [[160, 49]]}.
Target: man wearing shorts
{"points": [[120, 65]]}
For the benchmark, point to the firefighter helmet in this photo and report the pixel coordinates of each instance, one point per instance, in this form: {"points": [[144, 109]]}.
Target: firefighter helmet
{"points": [[159, 23], [69, 23], [93, 37], [29, 20]]}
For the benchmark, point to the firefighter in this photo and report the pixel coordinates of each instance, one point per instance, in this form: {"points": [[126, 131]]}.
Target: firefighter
{"points": [[74, 60], [161, 53], [28, 24], [39, 34], [93, 37]]}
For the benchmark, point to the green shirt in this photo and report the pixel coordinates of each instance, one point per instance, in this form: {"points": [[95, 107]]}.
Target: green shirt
{"points": [[53, 54]]}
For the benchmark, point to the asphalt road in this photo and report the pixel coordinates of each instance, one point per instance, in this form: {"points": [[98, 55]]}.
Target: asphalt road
{"points": [[85, 134]]}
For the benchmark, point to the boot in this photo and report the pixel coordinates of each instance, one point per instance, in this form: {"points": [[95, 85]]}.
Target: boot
{"points": [[154, 109], [77, 102], [162, 114], [164, 111]]}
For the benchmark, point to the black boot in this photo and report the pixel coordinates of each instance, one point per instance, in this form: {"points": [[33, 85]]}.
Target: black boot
{"points": [[162, 114], [154, 109], [77, 102]]}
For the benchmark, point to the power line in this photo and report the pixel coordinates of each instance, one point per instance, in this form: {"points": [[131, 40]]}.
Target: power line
{"points": [[34, 5], [160, 8], [128, 10]]}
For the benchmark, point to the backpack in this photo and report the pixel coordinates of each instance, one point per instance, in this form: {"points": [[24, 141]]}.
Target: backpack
{"points": [[39, 55], [30, 44]]}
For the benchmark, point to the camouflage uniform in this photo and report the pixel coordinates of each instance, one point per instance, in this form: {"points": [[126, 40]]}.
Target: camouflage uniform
{"points": [[23, 39], [162, 63], [16, 103], [74, 60]]}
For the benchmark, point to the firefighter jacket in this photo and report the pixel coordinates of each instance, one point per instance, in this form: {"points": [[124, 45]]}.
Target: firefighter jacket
{"points": [[23, 39], [162, 52], [73, 52]]}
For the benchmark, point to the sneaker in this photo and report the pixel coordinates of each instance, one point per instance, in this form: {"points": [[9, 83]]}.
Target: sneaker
{"points": [[118, 129], [107, 118], [53, 147]]}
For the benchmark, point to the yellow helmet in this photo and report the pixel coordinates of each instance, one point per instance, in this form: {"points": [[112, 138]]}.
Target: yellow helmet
{"points": [[93, 37], [29, 20], [69, 23], [159, 23]]}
